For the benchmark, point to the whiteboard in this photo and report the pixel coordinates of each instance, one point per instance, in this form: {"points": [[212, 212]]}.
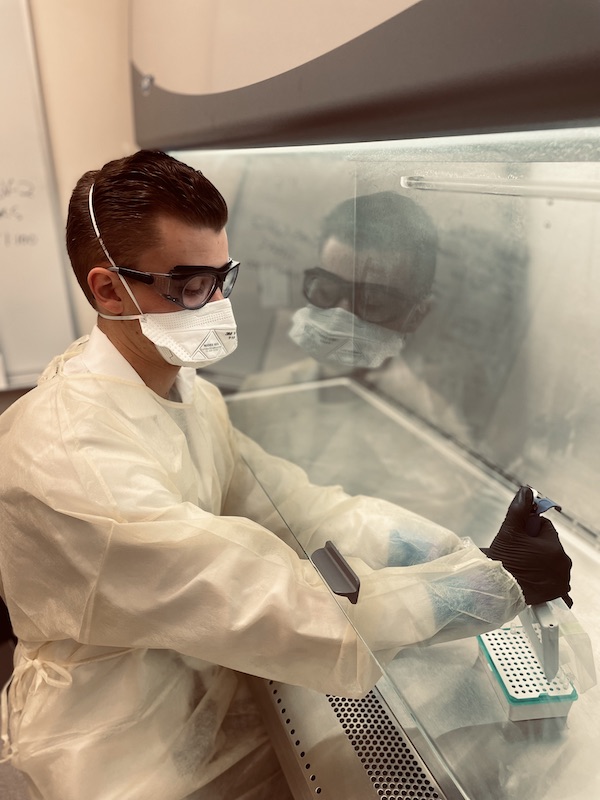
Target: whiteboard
{"points": [[36, 317]]}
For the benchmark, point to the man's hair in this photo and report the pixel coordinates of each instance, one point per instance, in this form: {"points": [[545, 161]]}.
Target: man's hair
{"points": [[389, 222], [129, 195]]}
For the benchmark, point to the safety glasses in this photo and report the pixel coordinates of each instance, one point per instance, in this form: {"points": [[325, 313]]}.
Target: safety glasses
{"points": [[371, 302], [188, 287]]}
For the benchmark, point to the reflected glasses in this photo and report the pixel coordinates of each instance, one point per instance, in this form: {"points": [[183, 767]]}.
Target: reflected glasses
{"points": [[188, 287], [372, 302]]}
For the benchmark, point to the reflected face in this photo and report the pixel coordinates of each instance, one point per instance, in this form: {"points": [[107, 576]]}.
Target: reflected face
{"points": [[372, 284]]}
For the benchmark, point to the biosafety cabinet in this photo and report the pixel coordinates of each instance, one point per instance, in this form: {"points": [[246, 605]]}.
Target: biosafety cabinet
{"points": [[485, 116]]}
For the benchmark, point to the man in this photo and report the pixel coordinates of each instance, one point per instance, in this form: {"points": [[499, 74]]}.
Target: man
{"points": [[373, 285], [366, 299], [146, 558], [365, 303], [371, 289]]}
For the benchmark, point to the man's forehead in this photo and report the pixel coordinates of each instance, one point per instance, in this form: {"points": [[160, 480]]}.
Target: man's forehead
{"points": [[179, 244]]}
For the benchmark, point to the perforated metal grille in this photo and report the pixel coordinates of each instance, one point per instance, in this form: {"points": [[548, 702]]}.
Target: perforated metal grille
{"points": [[390, 761]]}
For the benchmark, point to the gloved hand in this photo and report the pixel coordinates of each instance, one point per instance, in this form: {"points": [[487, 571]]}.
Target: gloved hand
{"points": [[538, 563]]}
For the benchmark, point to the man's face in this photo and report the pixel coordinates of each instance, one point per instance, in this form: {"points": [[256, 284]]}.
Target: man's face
{"points": [[384, 276], [179, 245]]}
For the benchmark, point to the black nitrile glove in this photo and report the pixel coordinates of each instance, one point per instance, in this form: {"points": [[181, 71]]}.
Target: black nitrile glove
{"points": [[538, 562]]}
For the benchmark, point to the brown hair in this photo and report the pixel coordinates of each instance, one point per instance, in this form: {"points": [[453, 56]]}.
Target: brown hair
{"points": [[129, 194], [387, 221]]}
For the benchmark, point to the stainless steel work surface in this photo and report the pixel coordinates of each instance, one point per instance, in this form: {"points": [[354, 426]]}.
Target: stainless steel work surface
{"points": [[340, 433]]}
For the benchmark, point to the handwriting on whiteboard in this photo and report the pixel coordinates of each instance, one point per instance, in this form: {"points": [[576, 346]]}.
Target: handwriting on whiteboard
{"points": [[16, 188], [16, 198]]}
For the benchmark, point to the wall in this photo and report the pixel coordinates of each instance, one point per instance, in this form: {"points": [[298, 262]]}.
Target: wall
{"points": [[83, 62]]}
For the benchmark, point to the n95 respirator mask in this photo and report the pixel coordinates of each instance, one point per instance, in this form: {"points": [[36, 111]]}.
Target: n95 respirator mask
{"points": [[190, 337], [334, 335], [193, 338]]}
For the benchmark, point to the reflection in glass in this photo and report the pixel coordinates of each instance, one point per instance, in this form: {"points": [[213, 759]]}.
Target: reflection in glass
{"points": [[435, 357]]}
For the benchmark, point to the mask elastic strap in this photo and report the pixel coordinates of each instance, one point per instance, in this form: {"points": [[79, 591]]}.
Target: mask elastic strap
{"points": [[130, 316], [95, 224], [107, 254]]}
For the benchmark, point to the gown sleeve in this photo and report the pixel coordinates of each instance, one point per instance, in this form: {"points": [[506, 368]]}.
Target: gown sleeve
{"points": [[118, 536], [420, 582]]}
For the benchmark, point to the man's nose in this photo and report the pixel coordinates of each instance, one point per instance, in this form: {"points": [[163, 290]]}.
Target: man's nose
{"points": [[218, 295]]}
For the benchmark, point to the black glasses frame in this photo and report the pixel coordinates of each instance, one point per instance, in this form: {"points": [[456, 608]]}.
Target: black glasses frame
{"points": [[392, 305], [185, 273]]}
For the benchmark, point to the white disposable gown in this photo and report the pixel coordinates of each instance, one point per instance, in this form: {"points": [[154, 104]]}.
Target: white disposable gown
{"points": [[147, 563]]}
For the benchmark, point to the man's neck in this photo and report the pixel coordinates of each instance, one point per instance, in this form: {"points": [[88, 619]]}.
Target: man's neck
{"points": [[141, 354]]}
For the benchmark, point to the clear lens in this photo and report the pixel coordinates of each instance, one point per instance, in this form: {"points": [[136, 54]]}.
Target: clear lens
{"points": [[371, 302], [198, 290], [229, 280], [324, 291], [190, 291]]}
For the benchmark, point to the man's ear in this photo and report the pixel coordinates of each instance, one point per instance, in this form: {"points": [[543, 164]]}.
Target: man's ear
{"points": [[418, 313], [107, 289]]}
